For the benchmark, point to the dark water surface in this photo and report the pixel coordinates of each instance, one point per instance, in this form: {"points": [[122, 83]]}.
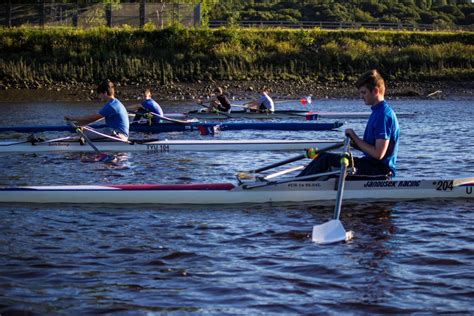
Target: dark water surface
{"points": [[407, 257]]}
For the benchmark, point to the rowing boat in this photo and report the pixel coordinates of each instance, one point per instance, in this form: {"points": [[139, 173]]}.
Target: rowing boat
{"points": [[279, 114], [316, 192], [195, 126], [162, 146]]}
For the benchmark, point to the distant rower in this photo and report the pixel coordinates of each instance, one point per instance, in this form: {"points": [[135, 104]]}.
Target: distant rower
{"points": [[147, 106], [264, 102]]}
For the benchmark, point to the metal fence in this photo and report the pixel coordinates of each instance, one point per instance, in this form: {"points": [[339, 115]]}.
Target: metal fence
{"points": [[161, 15], [334, 25], [92, 15]]}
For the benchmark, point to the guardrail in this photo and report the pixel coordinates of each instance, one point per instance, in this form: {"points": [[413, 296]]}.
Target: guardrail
{"points": [[336, 25]]}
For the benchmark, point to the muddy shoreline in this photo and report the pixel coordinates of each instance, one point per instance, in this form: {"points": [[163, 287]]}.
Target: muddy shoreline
{"points": [[238, 90]]}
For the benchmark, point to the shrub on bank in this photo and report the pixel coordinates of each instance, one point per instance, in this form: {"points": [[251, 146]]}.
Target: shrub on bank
{"points": [[41, 56]]}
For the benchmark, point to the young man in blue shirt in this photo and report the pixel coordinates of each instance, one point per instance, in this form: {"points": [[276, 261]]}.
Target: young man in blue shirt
{"points": [[114, 112], [147, 106], [380, 141]]}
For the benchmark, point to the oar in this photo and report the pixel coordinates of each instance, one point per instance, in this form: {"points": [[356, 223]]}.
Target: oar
{"points": [[102, 157], [280, 173], [310, 153], [118, 139], [286, 180], [164, 118], [303, 100], [36, 141], [243, 106], [200, 103], [333, 231]]}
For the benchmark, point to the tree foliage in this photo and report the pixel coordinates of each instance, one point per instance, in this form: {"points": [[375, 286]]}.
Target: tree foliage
{"points": [[437, 12]]}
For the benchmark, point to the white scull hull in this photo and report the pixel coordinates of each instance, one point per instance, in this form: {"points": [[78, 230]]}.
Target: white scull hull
{"points": [[316, 192], [164, 146]]}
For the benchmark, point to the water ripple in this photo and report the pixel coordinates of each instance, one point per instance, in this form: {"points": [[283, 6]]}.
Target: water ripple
{"points": [[407, 257]]}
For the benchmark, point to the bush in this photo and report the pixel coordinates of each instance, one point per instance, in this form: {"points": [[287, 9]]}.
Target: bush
{"points": [[175, 53]]}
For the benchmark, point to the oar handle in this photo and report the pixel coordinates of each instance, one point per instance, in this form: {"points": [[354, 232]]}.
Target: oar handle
{"points": [[86, 138], [299, 157]]}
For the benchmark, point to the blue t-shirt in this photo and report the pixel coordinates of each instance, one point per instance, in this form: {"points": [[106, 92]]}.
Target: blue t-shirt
{"points": [[151, 106], [383, 124], [116, 116]]}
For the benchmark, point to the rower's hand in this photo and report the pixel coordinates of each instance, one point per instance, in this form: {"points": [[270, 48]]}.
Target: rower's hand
{"points": [[353, 136], [71, 119], [349, 132]]}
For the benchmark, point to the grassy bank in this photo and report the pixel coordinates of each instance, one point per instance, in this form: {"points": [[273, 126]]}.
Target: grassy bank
{"points": [[33, 57]]}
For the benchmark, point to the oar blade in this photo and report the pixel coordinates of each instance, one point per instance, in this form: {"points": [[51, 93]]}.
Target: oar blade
{"points": [[330, 232], [103, 157]]}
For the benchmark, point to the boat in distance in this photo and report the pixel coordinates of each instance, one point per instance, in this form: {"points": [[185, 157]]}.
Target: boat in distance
{"points": [[278, 114], [194, 126], [316, 192], [163, 146]]}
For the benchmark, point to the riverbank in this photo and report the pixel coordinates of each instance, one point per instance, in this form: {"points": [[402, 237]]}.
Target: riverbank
{"points": [[239, 90]]}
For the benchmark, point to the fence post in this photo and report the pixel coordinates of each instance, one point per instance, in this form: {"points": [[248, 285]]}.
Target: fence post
{"points": [[108, 14], [177, 11], [197, 14], [142, 13], [75, 16], [8, 17], [41, 8]]}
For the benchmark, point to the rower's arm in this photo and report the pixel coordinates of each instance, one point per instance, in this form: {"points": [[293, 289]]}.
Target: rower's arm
{"points": [[378, 151], [85, 119]]}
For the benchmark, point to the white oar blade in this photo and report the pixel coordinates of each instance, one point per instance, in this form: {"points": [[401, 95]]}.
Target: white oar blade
{"points": [[329, 232]]}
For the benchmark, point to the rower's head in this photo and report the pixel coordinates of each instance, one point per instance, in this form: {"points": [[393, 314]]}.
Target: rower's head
{"points": [[263, 90], [106, 89], [371, 87], [147, 94], [218, 91]]}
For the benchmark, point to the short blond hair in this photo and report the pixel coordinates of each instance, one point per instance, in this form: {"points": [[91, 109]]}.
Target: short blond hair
{"points": [[371, 79]]}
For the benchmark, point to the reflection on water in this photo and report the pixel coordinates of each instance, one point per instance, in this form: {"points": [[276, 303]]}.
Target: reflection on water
{"points": [[407, 257]]}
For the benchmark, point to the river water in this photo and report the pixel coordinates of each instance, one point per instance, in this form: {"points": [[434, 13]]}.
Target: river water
{"points": [[406, 257]]}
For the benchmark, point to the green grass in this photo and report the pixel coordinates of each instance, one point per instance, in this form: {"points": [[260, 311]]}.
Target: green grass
{"points": [[43, 56]]}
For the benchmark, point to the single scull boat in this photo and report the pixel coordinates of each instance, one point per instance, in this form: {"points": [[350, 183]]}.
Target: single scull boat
{"points": [[279, 114], [317, 192], [195, 126], [162, 146]]}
